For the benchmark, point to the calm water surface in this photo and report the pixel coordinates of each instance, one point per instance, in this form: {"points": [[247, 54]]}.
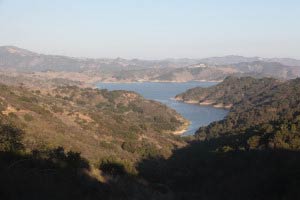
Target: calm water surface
{"points": [[164, 92]]}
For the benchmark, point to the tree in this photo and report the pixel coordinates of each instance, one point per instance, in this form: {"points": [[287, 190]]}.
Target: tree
{"points": [[10, 138]]}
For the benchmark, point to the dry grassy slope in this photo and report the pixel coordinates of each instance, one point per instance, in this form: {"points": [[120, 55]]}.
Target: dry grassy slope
{"points": [[36, 81], [97, 123]]}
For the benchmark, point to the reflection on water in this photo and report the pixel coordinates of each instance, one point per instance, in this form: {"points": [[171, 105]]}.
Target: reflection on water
{"points": [[164, 92]]}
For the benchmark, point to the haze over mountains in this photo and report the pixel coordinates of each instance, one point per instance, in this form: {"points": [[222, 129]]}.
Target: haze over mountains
{"points": [[124, 70]]}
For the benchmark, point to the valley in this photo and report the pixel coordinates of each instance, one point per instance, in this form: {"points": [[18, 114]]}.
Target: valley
{"points": [[197, 116], [120, 130], [149, 100]]}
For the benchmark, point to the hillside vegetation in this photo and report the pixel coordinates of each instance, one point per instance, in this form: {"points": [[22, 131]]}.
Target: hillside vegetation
{"points": [[266, 119], [252, 154], [98, 123], [264, 112], [229, 92], [70, 142], [55, 173]]}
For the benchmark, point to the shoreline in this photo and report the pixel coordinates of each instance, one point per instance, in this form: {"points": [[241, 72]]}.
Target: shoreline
{"points": [[181, 130], [205, 103], [158, 81], [186, 123]]}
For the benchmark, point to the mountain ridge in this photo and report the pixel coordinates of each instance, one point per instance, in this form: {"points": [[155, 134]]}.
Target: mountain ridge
{"points": [[136, 70]]}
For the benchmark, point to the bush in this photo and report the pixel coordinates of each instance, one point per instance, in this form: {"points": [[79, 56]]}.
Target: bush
{"points": [[10, 138], [130, 146], [57, 109], [80, 102], [135, 108], [117, 167], [12, 115], [28, 99], [28, 117]]}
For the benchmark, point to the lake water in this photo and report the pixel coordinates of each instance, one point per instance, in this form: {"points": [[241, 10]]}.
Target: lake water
{"points": [[164, 92]]}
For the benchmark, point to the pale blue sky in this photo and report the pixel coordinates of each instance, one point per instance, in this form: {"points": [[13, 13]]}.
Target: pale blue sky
{"points": [[153, 29]]}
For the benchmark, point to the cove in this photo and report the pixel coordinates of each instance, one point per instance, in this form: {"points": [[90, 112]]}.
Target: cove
{"points": [[164, 92]]}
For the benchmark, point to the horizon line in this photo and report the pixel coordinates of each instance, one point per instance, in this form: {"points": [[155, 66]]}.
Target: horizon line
{"points": [[135, 58]]}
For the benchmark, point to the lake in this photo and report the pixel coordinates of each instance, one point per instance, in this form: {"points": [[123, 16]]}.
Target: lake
{"points": [[164, 92]]}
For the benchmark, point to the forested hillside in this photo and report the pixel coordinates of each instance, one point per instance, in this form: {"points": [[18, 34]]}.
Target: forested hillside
{"points": [[271, 115], [98, 123], [92, 144], [229, 92], [253, 153], [264, 112]]}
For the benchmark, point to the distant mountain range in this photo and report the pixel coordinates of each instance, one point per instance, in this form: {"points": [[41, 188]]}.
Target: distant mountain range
{"points": [[22, 59], [124, 70], [232, 59]]}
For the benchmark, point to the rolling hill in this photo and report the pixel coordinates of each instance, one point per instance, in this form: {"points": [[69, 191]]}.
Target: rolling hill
{"points": [[97, 123], [19, 60]]}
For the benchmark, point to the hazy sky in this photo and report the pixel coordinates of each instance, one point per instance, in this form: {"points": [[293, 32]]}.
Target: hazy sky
{"points": [[153, 29]]}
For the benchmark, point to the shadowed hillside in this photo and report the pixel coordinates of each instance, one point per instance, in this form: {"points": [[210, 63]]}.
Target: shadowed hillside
{"points": [[252, 154], [127, 150], [58, 174], [200, 171]]}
